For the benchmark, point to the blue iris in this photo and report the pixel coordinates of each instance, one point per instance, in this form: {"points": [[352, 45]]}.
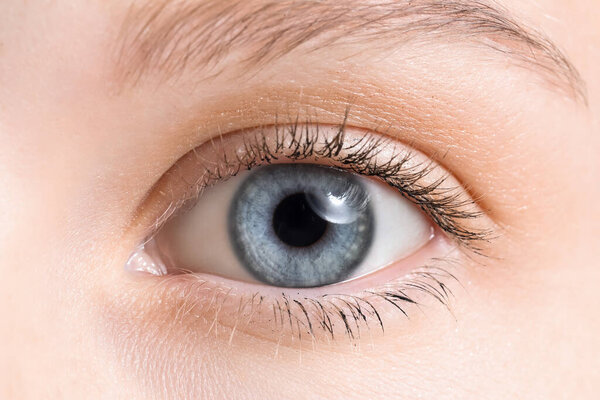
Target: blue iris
{"points": [[300, 225]]}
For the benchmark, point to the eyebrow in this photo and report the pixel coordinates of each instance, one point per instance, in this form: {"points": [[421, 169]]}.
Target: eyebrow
{"points": [[170, 37]]}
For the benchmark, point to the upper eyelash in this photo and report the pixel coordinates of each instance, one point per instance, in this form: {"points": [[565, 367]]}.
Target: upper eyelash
{"points": [[447, 207]]}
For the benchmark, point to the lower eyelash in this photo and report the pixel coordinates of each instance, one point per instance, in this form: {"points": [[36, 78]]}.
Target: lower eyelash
{"points": [[324, 318], [356, 312]]}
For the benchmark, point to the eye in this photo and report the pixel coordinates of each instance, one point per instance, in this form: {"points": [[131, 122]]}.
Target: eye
{"points": [[305, 229], [294, 225]]}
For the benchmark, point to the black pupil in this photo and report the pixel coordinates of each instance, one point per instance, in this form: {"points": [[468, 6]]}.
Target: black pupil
{"points": [[295, 222]]}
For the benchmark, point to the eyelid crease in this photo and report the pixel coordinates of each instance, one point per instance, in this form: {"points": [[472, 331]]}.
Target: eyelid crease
{"points": [[450, 208]]}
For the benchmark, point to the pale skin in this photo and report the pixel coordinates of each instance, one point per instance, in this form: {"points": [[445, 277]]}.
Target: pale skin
{"points": [[81, 150]]}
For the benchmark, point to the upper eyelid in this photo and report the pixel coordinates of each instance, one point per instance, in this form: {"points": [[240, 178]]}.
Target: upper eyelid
{"points": [[452, 214]]}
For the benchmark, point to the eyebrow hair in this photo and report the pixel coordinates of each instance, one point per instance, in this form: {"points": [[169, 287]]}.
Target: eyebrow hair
{"points": [[170, 36]]}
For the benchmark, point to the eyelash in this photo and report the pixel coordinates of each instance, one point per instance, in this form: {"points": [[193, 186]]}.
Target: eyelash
{"points": [[447, 207], [323, 318], [428, 280]]}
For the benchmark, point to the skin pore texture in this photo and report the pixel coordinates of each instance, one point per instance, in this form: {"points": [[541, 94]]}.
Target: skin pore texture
{"points": [[96, 110]]}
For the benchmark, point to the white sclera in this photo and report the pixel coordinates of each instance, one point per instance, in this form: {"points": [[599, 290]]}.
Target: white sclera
{"points": [[199, 239], [401, 228]]}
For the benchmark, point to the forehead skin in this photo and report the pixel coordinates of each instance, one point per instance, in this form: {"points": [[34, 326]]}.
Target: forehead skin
{"points": [[74, 165]]}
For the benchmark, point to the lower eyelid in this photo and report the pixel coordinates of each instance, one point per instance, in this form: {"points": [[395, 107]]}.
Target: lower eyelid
{"points": [[212, 305]]}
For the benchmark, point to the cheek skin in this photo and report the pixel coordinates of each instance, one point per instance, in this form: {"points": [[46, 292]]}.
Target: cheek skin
{"points": [[484, 340], [53, 241]]}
